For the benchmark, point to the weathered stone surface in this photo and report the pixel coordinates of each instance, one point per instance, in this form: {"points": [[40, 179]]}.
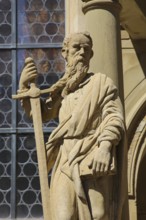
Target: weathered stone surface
{"points": [[84, 151]]}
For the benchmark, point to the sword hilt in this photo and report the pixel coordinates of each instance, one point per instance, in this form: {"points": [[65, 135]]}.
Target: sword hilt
{"points": [[33, 92], [28, 93]]}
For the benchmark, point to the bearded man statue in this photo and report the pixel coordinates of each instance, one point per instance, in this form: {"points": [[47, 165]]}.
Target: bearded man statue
{"points": [[84, 153]]}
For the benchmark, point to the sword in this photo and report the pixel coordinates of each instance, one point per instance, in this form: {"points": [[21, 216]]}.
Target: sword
{"points": [[34, 94]]}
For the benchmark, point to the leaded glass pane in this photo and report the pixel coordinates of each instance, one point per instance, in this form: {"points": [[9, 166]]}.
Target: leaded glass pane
{"points": [[5, 179], [28, 184], [5, 21], [40, 21], [35, 22], [5, 88], [50, 65]]}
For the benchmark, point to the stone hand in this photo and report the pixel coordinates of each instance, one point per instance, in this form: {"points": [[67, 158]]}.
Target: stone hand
{"points": [[101, 160], [28, 75]]}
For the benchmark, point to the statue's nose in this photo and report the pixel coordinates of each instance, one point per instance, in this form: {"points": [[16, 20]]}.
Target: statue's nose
{"points": [[82, 51]]}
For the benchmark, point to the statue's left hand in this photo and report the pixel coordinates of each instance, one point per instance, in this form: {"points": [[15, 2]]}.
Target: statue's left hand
{"points": [[101, 160]]}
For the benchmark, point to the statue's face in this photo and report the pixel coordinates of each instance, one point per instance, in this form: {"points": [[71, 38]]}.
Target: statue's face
{"points": [[80, 48]]}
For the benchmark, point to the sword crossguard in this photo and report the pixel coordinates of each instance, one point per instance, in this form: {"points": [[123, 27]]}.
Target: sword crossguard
{"points": [[33, 92]]}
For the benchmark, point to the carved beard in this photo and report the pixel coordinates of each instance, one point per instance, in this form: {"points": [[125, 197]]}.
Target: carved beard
{"points": [[76, 70], [75, 73]]}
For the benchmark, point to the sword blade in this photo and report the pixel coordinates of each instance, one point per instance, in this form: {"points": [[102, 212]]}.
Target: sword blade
{"points": [[41, 155]]}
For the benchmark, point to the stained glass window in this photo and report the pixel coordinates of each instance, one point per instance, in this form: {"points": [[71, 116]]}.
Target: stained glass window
{"points": [[28, 187], [5, 21], [5, 88], [40, 21], [27, 28], [5, 175]]}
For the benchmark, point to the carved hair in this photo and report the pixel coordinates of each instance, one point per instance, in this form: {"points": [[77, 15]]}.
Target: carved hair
{"points": [[67, 39]]}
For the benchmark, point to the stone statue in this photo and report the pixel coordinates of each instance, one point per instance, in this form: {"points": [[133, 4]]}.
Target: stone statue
{"points": [[83, 151]]}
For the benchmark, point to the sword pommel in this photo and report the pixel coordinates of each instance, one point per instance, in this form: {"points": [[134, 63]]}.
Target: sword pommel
{"points": [[29, 60]]}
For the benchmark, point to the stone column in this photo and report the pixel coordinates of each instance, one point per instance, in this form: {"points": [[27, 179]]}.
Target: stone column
{"points": [[75, 19], [102, 21], [133, 209]]}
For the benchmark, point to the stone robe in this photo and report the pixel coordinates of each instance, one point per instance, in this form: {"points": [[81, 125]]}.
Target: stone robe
{"points": [[91, 114]]}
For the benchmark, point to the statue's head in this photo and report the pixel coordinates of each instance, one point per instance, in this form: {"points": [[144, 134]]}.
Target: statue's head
{"points": [[77, 50], [78, 47]]}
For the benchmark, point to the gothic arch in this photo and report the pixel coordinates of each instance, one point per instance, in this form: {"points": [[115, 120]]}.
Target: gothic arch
{"points": [[136, 130], [135, 105], [136, 152]]}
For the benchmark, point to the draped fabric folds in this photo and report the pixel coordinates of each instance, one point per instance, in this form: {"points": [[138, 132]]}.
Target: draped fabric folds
{"points": [[90, 115]]}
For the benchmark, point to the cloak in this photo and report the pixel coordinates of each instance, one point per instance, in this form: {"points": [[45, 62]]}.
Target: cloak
{"points": [[97, 116]]}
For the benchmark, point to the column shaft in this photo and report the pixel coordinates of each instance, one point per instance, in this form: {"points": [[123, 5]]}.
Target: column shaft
{"points": [[102, 21]]}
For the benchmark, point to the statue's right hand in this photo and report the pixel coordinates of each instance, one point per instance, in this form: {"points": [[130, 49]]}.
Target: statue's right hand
{"points": [[28, 75], [100, 164]]}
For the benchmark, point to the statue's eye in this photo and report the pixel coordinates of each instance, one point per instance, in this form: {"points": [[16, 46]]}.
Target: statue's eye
{"points": [[77, 47], [87, 48]]}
